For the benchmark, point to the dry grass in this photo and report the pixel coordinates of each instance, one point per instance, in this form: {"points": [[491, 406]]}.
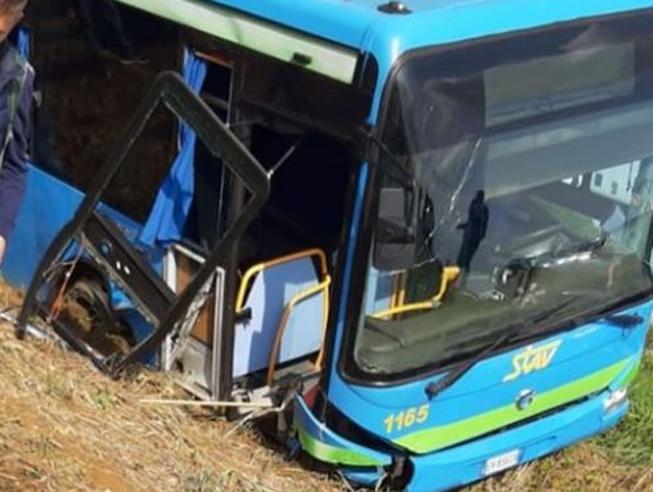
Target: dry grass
{"points": [[65, 426], [585, 467]]}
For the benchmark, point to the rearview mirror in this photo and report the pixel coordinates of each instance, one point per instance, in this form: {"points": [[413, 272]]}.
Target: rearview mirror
{"points": [[394, 247]]}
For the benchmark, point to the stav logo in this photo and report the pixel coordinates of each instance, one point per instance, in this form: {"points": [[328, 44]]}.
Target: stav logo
{"points": [[532, 359]]}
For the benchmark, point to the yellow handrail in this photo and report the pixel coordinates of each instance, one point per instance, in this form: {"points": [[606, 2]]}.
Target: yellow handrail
{"points": [[296, 299], [449, 274], [399, 291], [242, 291], [322, 286]]}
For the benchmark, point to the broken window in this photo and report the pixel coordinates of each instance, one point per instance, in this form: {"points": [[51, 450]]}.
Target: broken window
{"points": [[93, 71]]}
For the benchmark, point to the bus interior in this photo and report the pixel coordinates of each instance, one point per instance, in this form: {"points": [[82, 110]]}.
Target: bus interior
{"points": [[270, 298]]}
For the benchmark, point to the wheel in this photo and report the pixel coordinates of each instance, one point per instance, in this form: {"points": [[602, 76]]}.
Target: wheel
{"points": [[87, 310]]}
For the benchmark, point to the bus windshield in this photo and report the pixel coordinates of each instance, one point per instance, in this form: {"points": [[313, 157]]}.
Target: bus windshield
{"points": [[531, 163]]}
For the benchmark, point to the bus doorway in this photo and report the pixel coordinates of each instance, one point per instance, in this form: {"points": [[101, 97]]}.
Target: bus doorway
{"points": [[174, 248]]}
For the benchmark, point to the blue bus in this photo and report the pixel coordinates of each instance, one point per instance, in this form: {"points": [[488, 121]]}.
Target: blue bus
{"points": [[412, 238]]}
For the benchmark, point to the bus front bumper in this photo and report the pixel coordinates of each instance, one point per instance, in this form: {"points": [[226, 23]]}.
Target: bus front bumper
{"points": [[468, 462], [476, 460]]}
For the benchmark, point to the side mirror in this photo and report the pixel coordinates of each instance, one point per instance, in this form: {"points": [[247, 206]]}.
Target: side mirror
{"points": [[394, 247]]}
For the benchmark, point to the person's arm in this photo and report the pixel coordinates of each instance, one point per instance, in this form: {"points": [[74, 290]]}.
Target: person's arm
{"points": [[14, 168]]}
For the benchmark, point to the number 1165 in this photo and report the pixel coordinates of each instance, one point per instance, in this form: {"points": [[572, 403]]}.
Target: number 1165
{"points": [[406, 418]]}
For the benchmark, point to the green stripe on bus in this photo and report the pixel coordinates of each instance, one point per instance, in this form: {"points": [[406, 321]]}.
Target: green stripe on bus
{"points": [[428, 440], [283, 44], [332, 454], [630, 375]]}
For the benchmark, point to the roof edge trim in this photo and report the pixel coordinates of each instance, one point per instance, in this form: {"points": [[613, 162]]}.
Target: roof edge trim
{"points": [[317, 55]]}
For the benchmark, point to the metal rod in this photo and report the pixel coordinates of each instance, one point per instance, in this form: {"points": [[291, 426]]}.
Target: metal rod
{"points": [[30, 328], [196, 403], [285, 157]]}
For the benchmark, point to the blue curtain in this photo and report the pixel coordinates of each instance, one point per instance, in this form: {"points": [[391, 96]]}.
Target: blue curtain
{"points": [[170, 210], [22, 41]]}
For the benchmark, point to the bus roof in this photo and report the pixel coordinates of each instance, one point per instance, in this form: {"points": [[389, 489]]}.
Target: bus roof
{"points": [[355, 23]]}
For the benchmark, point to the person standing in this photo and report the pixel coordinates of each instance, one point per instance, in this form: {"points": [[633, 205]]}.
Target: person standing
{"points": [[16, 93], [474, 230]]}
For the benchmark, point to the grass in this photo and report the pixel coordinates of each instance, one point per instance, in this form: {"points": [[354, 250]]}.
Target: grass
{"points": [[632, 442], [65, 426]]}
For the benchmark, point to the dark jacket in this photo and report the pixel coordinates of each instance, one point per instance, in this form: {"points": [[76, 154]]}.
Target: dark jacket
{"points": [[16, 93]]}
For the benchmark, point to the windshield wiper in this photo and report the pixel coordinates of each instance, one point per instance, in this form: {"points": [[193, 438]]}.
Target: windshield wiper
{"points": [[435, 388], [626, 321]]}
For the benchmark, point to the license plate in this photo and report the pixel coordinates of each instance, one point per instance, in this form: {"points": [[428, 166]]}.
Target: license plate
{"points": [[501, 462]]}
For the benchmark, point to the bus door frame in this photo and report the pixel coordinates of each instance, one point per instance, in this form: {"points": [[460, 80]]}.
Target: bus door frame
{"points": [[159, 303]]}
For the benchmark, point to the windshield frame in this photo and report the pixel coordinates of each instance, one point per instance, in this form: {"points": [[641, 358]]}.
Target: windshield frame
{"points": [[347, 366]]}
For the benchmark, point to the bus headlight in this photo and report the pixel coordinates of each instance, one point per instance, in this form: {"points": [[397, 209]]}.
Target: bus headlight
{"points": [[614, 400]]}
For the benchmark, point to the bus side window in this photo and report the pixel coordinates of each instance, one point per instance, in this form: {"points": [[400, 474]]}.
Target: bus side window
{"points": [[88, 91]]}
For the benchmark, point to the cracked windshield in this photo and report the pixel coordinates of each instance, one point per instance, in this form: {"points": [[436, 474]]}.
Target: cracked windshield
{"points": [[515, 194]]}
